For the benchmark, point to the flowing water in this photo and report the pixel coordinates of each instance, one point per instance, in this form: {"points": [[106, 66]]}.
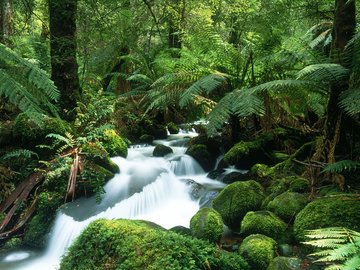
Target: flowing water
{"points": [[148, 188]]}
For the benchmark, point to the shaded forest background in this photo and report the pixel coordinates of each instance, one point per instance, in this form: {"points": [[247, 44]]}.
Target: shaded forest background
{"points": [[80, 80]]}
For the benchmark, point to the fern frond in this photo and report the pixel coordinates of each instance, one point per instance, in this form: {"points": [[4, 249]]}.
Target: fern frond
{"points": [[205, 84], [350, 101], [340, 166], [20, 153], [330, 73]]}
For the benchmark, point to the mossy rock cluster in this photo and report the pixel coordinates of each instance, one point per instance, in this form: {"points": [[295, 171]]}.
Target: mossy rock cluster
{"points": [[289, 183], [37, 230], [173, 128], [236, 199], [333, 211], [287, 205], [207, 224], [162, 150], [258, 250], [30, 132], [246, 154], [114, 144], [146, 138], [129, 244], [201, 154], [263, 222]]}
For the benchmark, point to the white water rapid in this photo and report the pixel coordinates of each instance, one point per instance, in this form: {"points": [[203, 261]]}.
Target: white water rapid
{"points": [[147, 188]]}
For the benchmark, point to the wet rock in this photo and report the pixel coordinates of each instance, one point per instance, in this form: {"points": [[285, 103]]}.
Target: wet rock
{"points": [[196, 189], [207, 198], [162, 150], [285, 263], [235, 176]]}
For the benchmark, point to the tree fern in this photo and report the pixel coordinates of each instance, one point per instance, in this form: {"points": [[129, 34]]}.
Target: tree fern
{"points": [[341, 247], [26, 85], [350, 101], [329, 73], [20, 153]]}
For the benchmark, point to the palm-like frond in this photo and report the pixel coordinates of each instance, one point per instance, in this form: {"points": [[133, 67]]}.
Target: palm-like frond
{"points": [[25, 153], [205, 84], [329, 73], [342, 247], [340, 166], [350, 101], [26, 85]]}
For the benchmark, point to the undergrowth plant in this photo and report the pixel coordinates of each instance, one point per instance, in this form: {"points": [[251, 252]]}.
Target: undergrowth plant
{"points": [[339, 248]]}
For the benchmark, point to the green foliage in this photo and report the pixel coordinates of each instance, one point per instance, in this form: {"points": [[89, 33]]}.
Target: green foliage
{"points": [[207, 224], [337, 210], [129, 244], [341, 166], [236, 199], [350, 101], [20, 153], [258, 250], [26, 85], [339, 246], [113, 143], [263, 222]]}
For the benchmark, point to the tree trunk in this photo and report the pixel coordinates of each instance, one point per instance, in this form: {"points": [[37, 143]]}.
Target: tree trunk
{"points": [[343, 31], [6, 21], [64, 66]]}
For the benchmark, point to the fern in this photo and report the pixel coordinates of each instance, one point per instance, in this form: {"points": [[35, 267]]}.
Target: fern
{"points": [[340, 166], [350, 101], [329, 73], [206, 84], [20, 153], [26, 85], [342, 247]]}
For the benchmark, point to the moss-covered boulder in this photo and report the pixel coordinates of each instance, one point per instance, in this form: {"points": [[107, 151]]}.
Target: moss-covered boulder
{"points": [[114, 144], [333, 211], [285, 263], [37, 230], [158, 131], [235, 200], [30, 132], [200, 153], [130, 244], [289, 183], [258, 250], [181, 230], [173, 128], [162, 150], [207, 224], [263, 222], [246, 154], [146, 138], [287, 205]]}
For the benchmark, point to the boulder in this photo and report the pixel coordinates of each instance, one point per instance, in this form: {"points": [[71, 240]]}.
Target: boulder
{"points": [[236, 199], [200, 153], [162, 150], [133, 244], [114, 144], [207, 224], [285, 263], [287, 205], [196, 190], [258, 250], [263, 222], [334, 211], [146, 138], [173, 128]]}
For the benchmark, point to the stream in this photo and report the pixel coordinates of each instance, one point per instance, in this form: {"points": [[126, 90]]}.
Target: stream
{"points": [[160, 190]]}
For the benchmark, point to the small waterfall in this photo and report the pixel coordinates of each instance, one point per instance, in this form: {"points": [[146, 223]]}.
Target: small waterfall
{"points": [[148, 188]]}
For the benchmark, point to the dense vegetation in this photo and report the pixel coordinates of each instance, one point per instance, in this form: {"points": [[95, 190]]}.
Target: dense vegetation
{"points": [[276, 83]]}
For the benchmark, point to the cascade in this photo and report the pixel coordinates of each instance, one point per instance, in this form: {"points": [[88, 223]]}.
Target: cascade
{"points": [[148, 188]]}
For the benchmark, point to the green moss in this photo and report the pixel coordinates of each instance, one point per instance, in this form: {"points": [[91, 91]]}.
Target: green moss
{"points": [[162, 150], [258, 250], [114, 144], [207, 224], [39, 226], [13, 243], [246, 154], [285, 263], [129, 244], [261, 170], [287, 205], [289, 183], [201, 154], [263, 222], [235, 200], [173, 128], [30, 132], [333, 211]]}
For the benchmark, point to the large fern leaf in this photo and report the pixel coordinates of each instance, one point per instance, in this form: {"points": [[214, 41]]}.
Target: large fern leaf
{"points": [[350, 101], [329, 73]]}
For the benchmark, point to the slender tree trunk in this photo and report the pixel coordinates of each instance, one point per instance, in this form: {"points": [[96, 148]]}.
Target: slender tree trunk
{"points": [[6, 21], [2, 9], [343, 31], [64, 66]]}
